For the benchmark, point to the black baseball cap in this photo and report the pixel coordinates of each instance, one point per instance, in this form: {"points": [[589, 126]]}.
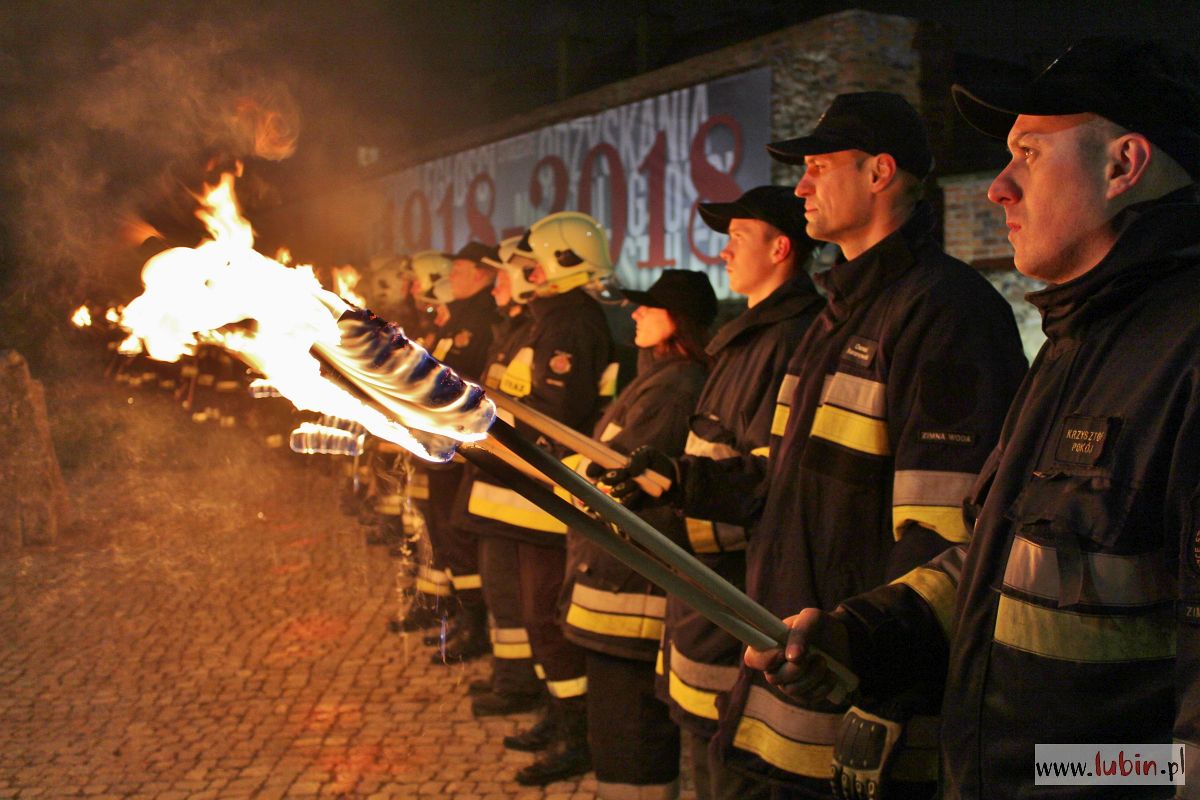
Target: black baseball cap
{"points": [[1149, 87], [775, 205], [874, 122], [683, 292], [477, 252]]}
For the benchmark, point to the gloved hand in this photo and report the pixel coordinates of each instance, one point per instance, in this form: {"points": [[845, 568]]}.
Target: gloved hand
{"points": [[862, 755], [626, 490]]}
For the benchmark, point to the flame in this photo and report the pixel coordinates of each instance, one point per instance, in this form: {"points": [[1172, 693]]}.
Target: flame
{"points": [[345, 279], [82, 318], [274, 317]]}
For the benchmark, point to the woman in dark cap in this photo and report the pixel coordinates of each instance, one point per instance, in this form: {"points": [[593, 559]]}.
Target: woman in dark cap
{"points": [[610, 610]]}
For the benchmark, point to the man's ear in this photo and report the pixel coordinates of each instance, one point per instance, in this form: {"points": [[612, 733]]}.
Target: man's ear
{"points": [[781, 248], [1128, 159], [882, 171]]}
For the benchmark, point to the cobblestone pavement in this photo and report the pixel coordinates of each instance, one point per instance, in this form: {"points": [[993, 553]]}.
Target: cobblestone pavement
{"points": [[215, 628]]}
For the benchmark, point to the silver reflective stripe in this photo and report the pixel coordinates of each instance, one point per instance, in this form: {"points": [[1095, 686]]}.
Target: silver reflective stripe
{"points": [[610, 432], [696, 446], [793, 722], [630, 791], [700, 675], [646, 605], [787, 389], [922, 487], [1109, 580], [855, 394]]}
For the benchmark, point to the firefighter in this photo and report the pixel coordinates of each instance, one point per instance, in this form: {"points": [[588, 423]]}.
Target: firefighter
{"points": [[409, 500], [765, 260], [461, 341], [513, 685], [892, 403], [563, 370], [1071, 616], [611, 611]]}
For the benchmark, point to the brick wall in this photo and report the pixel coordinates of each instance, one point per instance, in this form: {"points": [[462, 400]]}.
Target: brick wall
{"points": [[974, 226]]}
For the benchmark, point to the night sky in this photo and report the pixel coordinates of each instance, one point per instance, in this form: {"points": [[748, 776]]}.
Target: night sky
{"points": [[111, 110]]}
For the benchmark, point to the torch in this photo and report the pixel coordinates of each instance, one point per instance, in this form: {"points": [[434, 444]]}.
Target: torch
{"points": [[377, 363], [326, 355]]}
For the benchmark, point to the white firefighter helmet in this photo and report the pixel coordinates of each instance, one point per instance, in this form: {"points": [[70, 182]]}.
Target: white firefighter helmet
{"points": [[572, 249], [387, 281], [521, 289], [431, 270]]}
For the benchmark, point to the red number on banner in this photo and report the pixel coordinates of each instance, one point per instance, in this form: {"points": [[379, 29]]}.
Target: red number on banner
{"points": [[558, 174], [479, 222], [654, 165], [617, 193], [710, 182], [419, 240]]}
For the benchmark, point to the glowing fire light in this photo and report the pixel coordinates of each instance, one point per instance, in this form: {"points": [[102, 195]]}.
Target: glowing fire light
{"points": [[82, 318], [345, 279], [274, 318]]}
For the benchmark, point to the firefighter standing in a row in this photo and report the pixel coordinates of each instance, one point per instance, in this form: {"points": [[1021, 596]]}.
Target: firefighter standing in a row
{"points": [[1074, 618], [615, 614], [462, 341], [564, 370], [765, 260], [513, 686]]}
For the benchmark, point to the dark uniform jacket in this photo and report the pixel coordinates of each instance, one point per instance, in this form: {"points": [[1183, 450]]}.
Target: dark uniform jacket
{"points": [[733, 418], [464, 341], [609, 606], [1078, 606], [562, 368], [890, 407]]}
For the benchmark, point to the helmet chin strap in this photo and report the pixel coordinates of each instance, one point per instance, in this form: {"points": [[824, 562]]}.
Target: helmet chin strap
{"points": [[565, 284]]}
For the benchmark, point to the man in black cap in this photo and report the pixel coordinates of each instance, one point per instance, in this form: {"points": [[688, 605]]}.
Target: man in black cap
{"points": [[463, 336], [765, 260], [891, 404], [1072, 616]]}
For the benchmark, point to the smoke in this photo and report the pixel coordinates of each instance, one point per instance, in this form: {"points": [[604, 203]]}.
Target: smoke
{"points": [[109, 140]]}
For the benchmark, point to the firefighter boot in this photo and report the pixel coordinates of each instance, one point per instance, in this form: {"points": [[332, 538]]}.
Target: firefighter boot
{"points": [[469, 637], [536, 738], [568, 754]]}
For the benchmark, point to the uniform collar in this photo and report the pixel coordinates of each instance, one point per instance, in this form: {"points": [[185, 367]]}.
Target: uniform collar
{"points": [[789, 300], [860, 279], [1156, 237], [479, 303]]}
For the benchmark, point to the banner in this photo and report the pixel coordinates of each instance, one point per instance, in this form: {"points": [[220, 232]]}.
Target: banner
{"points": [[640, 169]]}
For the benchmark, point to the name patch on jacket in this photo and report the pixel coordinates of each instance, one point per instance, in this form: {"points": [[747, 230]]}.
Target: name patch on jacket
{"points": [[861, 351], [1083, 439], [948, 437]]}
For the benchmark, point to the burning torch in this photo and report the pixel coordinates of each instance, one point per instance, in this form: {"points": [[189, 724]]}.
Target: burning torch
{"points": [[324, 354]]}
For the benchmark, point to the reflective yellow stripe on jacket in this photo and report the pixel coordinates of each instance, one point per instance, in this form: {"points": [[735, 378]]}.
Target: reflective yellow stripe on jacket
{"points": [[504, 505], [851, 414], [706, 536], [783, 404], [510, 643], [791, 738], [931, 498], [694, 685], [1120, 608], [633, 616]]}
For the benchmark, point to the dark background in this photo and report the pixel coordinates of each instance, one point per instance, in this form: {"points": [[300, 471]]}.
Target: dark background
{"points": [[110, 112]]}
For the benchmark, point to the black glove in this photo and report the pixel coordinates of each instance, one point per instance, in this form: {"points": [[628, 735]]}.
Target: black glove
{"points": [[625, 489]]}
